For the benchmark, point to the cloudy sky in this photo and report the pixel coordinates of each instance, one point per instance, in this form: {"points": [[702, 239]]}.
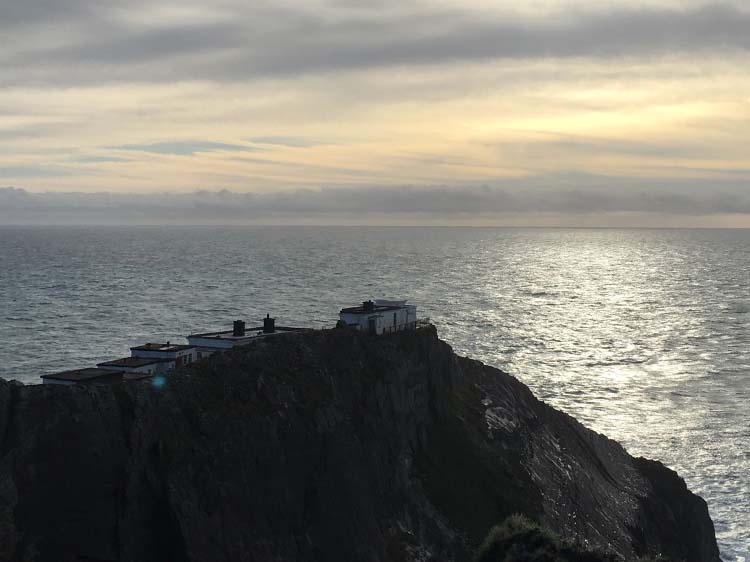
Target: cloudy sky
{"points": [[454, 111]]}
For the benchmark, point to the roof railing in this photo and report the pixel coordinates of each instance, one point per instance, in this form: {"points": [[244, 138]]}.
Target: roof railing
{"points": [[419, 323]]}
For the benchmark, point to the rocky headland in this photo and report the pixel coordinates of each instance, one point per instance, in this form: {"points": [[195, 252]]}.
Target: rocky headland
{"points": [[322, 446]]}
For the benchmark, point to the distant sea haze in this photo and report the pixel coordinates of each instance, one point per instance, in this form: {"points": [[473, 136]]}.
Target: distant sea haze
{"points": [[580, 200], [641, 334]]}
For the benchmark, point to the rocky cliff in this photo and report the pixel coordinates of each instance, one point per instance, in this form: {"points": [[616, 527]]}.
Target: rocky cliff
{"points": [[321, 446]]}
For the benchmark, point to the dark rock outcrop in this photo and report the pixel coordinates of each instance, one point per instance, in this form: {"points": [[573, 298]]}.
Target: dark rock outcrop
{"points": [[321, 446]]}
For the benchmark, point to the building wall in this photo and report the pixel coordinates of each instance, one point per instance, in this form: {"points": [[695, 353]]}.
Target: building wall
{"points": [[411, 314], [405, 318], [146, 369], [160, 367], [185, 355], [204, 352], [210, 343]]}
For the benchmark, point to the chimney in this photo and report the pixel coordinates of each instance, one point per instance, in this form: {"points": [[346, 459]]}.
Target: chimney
{"points": [[269, 324], [368, 306], [239, 328]]}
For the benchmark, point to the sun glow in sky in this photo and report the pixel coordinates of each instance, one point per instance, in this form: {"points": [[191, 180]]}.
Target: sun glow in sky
{"points": [[533, 100]]}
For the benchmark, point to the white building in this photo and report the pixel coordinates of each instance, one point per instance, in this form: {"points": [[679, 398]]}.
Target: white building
{"points": [[84, 376], [157, 358], [179, 354], [145, 361], [380, 316], [142, 365], [211, 342]]}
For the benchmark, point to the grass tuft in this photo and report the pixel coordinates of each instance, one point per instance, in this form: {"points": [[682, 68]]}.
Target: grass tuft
{"points": [[517, 539]]}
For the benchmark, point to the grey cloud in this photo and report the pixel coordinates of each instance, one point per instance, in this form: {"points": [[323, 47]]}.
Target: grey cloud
{"points": [[15, 13], [255, 41], [292, 142], [36, 171], [184, 148], [100, 159], [467, 39], [153, 44], [573, 195]]}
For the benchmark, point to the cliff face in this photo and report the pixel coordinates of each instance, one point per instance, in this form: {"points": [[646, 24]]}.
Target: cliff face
{"points": [[321, 446]]}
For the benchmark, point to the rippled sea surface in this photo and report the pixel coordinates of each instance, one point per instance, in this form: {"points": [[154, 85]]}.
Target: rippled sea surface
{"points": [[642, 335]]}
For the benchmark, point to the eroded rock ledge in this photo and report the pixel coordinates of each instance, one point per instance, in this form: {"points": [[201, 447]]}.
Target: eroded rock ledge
{"points": [[321, 446]]}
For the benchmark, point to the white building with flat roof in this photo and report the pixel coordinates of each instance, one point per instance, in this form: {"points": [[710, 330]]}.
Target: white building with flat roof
{"points": [[177, 353], [380, 316], [143, 365], [152, 359], [211, 342], [84, 376]]}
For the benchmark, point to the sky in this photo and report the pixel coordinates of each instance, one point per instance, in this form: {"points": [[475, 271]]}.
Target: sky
{"points": [[544, 112]]}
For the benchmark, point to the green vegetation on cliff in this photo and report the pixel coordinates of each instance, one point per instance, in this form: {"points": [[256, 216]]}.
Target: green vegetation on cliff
{"points": [[517, 539]]}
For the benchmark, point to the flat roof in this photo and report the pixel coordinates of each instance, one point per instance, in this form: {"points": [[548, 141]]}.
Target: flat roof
{"points": [[77, 375], [161, 347], [229, 334], [375, 308], [249, 333], [133, 362]]}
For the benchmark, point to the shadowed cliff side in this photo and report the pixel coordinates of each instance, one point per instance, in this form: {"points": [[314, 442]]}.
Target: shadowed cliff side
{"points": [[321, 446]]}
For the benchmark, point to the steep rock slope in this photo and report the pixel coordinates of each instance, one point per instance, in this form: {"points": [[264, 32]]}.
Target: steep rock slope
{"points": [[321, 446]]}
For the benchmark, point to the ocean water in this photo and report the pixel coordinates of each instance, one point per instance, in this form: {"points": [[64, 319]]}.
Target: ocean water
{"points": [[643, 335]]}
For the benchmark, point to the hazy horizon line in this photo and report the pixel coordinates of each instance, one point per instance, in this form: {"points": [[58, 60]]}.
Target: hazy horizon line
{"points": [[363, 225], [564, 202]]}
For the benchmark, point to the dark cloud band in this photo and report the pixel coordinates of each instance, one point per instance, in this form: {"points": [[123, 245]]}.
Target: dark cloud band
{"points": [[574, 196], [254, 40]]}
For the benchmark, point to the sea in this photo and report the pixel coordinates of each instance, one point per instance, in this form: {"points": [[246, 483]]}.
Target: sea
{"points": [[643, 335]]}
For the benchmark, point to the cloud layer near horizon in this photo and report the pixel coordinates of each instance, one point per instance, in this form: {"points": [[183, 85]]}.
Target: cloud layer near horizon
{"points": [[284, 97], [482, 205]]}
